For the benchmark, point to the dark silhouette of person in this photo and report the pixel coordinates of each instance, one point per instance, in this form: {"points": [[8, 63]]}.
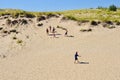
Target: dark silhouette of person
{"points": [[76, 57], [53, 31], [50, 28], [47, 31], [66, 33]]}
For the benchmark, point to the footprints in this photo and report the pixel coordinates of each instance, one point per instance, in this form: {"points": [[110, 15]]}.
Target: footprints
{"points": [[58, 31]]}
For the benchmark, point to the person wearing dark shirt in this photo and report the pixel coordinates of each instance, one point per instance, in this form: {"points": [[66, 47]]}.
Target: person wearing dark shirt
{"points": [[50, 28], [47, 31], [76, 57], [53, 31], [66, 33]]}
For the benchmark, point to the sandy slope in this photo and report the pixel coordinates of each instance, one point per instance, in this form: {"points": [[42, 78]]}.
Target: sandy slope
{"points": [[47, 58]]}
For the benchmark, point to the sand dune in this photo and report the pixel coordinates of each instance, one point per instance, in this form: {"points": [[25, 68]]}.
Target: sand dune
{"points": [[42, 57]]}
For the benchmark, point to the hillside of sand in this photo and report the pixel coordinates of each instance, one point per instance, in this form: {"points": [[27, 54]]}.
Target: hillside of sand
{"points": [[28, 53]]}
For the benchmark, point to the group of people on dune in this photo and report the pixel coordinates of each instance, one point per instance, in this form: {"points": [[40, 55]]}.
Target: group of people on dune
{"points": [[52, 31]]}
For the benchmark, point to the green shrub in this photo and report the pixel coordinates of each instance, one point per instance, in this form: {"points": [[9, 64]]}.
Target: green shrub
{"points": [[94, 23], [100, 7], [117, 22], [49, 15], [29, 15], [109, 22], [40, 18], [112, 8]]}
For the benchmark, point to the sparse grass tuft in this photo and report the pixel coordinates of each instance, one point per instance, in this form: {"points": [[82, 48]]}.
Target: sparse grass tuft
{"points": [[19, 41], [14, 38], [117, 22], [86, 30], [110, 27]]}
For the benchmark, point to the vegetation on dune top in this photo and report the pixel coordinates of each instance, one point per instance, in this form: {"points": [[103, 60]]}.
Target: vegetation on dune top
{"points": [[21, 13], [99, 14]]}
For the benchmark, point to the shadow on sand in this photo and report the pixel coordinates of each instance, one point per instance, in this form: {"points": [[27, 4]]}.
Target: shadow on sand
{"points": [[83, 62], [69, 36], [55, 34]]}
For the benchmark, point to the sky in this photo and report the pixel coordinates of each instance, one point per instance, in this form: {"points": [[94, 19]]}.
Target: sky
{"points": [[55, 5]]}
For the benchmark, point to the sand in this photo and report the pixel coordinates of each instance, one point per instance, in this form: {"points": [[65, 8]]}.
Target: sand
{"points": [[42, 57]]}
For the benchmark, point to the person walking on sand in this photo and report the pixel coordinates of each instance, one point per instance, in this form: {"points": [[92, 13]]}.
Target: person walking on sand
{"points": [[76, 57], [53, 31], [66, 33], [47, 31], [50, 28]]}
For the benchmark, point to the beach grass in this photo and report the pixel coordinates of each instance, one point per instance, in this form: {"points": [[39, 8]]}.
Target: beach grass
{"points": [[76, 15]]}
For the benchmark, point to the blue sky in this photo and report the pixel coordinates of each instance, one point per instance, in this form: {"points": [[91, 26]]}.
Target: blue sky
{"points": [[55, 5]]}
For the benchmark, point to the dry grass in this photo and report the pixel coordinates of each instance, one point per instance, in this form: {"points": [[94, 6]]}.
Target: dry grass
{"points": [[77, 15]]}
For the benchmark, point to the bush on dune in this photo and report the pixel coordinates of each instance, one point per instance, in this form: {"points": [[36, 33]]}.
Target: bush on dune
{"points": [[112, 8], [40, 18], [117, 22], [94, 23], [49, 15], [29, 15], [109, 22]]}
